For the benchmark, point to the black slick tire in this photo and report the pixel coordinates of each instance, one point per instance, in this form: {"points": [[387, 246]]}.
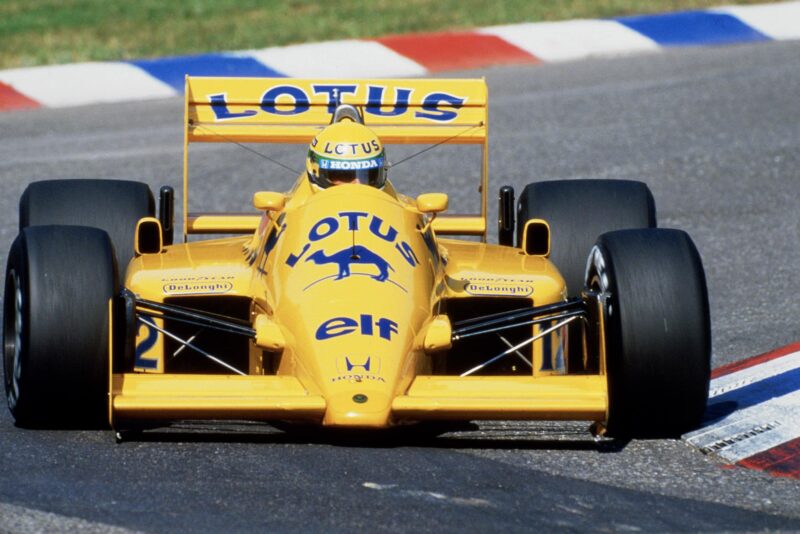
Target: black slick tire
{"points": [[59, 280], [658, 338], [578, 211]]}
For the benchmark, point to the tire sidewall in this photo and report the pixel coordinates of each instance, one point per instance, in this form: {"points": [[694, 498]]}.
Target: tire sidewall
{"points": [[657, 330]]}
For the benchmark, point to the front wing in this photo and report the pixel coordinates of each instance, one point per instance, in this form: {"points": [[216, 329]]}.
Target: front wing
{"points": [[166, 397]]}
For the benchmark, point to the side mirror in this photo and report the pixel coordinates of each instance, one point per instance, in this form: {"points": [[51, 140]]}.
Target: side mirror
{"points": [[439, 335], [148, 236], [536, 238], [268, 334], [432, 202], [269, 201]]}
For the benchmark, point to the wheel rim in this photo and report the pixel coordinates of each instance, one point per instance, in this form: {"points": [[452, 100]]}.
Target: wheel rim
{"points": [[13, 339], [597, 275]]}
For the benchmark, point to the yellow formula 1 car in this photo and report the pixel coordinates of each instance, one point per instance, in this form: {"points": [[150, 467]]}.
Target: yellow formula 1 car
{"points": [[343, 302]]}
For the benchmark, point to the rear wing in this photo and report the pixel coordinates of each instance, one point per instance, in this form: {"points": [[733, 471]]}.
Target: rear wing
{"points": [[289, 110]]}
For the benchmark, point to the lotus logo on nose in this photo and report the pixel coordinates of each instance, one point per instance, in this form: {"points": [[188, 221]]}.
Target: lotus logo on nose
{"points": [[355, 254]]}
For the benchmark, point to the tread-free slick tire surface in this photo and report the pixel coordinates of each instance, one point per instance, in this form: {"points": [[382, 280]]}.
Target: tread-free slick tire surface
{"points": [[578, 211], [67, 276], [658, 331], [111, 205]]}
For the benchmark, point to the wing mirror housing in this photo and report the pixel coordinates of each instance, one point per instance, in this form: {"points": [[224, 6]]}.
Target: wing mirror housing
{"points": [[536, 238], [268, 334], [439, 335], [432, 202], [149, 237], [269, 201]]}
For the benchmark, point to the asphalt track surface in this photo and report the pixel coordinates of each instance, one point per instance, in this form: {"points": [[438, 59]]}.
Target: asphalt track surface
{"points": [[716, 135]]}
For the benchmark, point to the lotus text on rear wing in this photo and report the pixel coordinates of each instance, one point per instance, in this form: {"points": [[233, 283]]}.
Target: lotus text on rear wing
{"points": [[292, 100]]}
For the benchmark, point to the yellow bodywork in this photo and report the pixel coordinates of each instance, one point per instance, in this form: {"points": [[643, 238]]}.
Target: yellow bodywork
{"points": [[345, 287]]}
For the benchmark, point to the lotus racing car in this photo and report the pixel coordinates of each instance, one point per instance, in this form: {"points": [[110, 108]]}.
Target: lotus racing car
{"points": [[352, 305]]}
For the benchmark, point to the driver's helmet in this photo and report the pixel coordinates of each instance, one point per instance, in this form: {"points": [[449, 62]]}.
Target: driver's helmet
{"points": [[346, 152]]}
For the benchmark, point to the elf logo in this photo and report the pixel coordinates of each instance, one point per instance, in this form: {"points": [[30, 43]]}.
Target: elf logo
{"points": [[365, 325]]}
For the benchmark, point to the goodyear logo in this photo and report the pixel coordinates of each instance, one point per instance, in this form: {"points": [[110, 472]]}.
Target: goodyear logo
{"points": [[287, 99]]}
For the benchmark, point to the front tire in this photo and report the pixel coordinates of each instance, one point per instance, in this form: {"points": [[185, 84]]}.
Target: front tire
{"points": [[59, 281], [658, 335]]}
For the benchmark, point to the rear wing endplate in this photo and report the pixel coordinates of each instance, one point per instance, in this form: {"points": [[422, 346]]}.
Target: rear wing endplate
{"points": [[289, 110]]}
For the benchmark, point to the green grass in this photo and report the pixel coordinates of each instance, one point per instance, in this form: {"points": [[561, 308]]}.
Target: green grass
{"points": [[37, 32]]}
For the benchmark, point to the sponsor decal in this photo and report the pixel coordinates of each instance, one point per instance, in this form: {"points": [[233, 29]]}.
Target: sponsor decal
{"points": [[356, 254], [220, 107], [357, 165], [498, 287], [289, 99], [269, 244], [353, 221], [351, 149], [198, 278], [197, 288], [141, 358], [365, 325], [358, 369]]}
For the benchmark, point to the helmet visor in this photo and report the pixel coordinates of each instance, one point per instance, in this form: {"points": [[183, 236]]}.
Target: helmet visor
{"points": [[368, 171]]}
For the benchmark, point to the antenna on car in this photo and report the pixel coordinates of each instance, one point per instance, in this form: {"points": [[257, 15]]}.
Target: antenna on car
{"points": [[251, 150], [431, 147]]}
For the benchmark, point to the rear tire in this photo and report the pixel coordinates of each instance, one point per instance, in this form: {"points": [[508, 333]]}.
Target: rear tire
{"points": [[658, 336], [111, 205], [59, 280], [578, 211]]}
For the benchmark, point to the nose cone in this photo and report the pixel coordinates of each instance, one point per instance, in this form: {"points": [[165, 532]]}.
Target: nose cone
{"points": [[357, 354], [353, 285], [359, 406]]}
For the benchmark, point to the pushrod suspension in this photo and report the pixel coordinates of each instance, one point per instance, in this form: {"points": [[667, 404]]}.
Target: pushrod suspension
{"points": [[547, 312], [187, 315]]}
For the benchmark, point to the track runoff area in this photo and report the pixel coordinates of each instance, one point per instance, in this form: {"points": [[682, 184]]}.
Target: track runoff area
{"points": [[753, 414]]}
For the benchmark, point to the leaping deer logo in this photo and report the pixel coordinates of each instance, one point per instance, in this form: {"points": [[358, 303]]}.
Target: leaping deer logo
{"points": [[354, 254]]}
